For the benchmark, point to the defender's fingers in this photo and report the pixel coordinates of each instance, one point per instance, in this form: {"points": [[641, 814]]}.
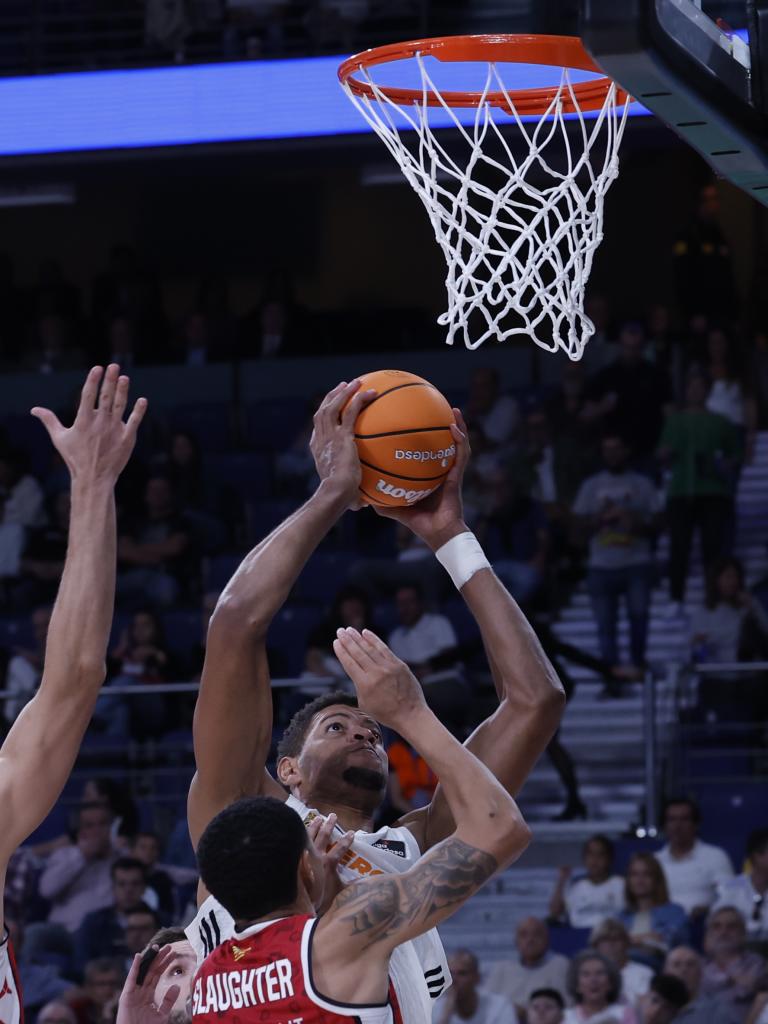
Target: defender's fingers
{"points": [[351, 657], [363, 650], [108, 388], [137, 415], [121, 396], [90, 391], [133, 972], [169, 999], [340, 847], [377, 645], [49, 419]]}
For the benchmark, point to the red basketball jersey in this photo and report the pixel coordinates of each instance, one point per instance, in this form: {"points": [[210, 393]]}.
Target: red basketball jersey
{"points": [[264, 976], [11, 1006]]}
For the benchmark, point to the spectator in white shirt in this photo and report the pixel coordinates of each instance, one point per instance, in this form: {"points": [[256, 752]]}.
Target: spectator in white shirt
{"points": [[21, 507], [77, 878], [612, 939], [427, 643], [693, 869], [748, 892], [26, 666], [594, 896], [466, 1000], [498, 415], [535, 966], [594, 983]]}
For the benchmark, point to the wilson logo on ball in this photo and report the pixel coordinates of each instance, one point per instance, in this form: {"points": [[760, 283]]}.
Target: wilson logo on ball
{"points": [[401, 492]]}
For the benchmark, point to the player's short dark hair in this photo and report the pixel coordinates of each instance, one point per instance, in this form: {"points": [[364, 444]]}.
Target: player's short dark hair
{"points": [[163, 937], [671, 989], [608, 848], [687, 801], [296, 731], [249, 855], [548, 993], [757, 842], [128, 864]]}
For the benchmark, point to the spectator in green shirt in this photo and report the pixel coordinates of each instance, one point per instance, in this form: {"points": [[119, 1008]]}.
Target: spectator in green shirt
{"points": [[703, 451]]}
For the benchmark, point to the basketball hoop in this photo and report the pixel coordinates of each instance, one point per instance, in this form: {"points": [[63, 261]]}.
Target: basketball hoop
{"points": [[518, 227]]}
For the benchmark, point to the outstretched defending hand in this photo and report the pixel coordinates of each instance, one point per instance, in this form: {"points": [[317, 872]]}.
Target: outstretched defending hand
{"points": [[386, 688], [440, 516], [136, 1004], [330, 850], [98, 444], [333, 438]]}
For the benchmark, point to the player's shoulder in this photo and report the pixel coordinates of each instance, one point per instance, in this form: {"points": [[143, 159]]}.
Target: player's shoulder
{"points": [[397, 840]]}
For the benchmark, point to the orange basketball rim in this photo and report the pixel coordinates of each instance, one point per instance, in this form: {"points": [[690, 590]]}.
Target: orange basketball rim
{"points": [[549, 51]]}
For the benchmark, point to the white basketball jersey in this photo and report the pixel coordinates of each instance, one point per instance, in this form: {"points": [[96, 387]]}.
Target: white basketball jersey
{"points": [[418, 969], [11, 1006]]}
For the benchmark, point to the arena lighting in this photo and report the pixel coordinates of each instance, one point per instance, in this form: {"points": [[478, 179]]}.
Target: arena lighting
{"points": [[200, 104], [37, 195]]}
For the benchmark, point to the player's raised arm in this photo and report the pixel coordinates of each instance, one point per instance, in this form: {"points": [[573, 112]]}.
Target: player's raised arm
{"points": [[39, 751], [530, 693], [369, 918], [233, 716]]}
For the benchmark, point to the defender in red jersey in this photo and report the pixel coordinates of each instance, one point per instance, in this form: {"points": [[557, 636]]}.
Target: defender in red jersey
{"points": [[40, 749], [283, 965]]}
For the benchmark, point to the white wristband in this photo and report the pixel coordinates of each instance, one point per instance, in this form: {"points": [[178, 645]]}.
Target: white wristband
{"points": [[462, 557]]}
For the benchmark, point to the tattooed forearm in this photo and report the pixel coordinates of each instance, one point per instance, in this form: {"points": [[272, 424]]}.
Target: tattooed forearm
{"points": [[446, 876]]}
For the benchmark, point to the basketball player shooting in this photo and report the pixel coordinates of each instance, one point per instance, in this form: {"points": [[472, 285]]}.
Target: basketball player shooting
{"points": [[40, 750], [331, 758], [282, 963]]}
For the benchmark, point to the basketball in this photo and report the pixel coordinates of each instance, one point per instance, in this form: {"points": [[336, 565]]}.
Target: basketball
{"points": [[404, 439]]}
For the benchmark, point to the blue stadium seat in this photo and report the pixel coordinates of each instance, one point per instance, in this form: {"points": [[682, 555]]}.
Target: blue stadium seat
{"points": [[274, 424], [263, 516], [567, 940], [324, 575], [288, 634], [183, 630], [248, 474], [29, 435], [210, 425], [218, 571], [16, 631], [462, 621]]}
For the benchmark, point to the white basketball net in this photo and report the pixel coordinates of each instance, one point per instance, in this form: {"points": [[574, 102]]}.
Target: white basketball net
{"points": [[519, 250]]}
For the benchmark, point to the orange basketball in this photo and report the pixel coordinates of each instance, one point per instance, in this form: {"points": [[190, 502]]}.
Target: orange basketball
{"points": [[403, 437]]}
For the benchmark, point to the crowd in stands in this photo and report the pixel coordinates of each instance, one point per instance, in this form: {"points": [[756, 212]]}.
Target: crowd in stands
{"points": [[678, 936]]}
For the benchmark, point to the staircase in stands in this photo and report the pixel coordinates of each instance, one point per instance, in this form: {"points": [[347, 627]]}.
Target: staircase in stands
{"points": [[605, 737]]}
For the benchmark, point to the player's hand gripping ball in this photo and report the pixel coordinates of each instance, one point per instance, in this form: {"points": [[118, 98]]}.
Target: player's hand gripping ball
{"points": [[403, 438]]}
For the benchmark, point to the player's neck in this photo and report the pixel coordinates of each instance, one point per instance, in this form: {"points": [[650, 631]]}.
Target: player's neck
{"points": [[351, 816], [302, 905]]}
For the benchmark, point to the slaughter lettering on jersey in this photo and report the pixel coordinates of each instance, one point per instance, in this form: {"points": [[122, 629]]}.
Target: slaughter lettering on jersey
{"points": [[267, 969], [418, 969], [11, 1006]]}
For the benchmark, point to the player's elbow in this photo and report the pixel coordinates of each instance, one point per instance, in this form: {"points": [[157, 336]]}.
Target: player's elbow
{"points": [[514, 840], [234, 618]]}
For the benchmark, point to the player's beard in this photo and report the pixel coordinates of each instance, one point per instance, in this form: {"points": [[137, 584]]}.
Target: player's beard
{"points": [[364, 778]]}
